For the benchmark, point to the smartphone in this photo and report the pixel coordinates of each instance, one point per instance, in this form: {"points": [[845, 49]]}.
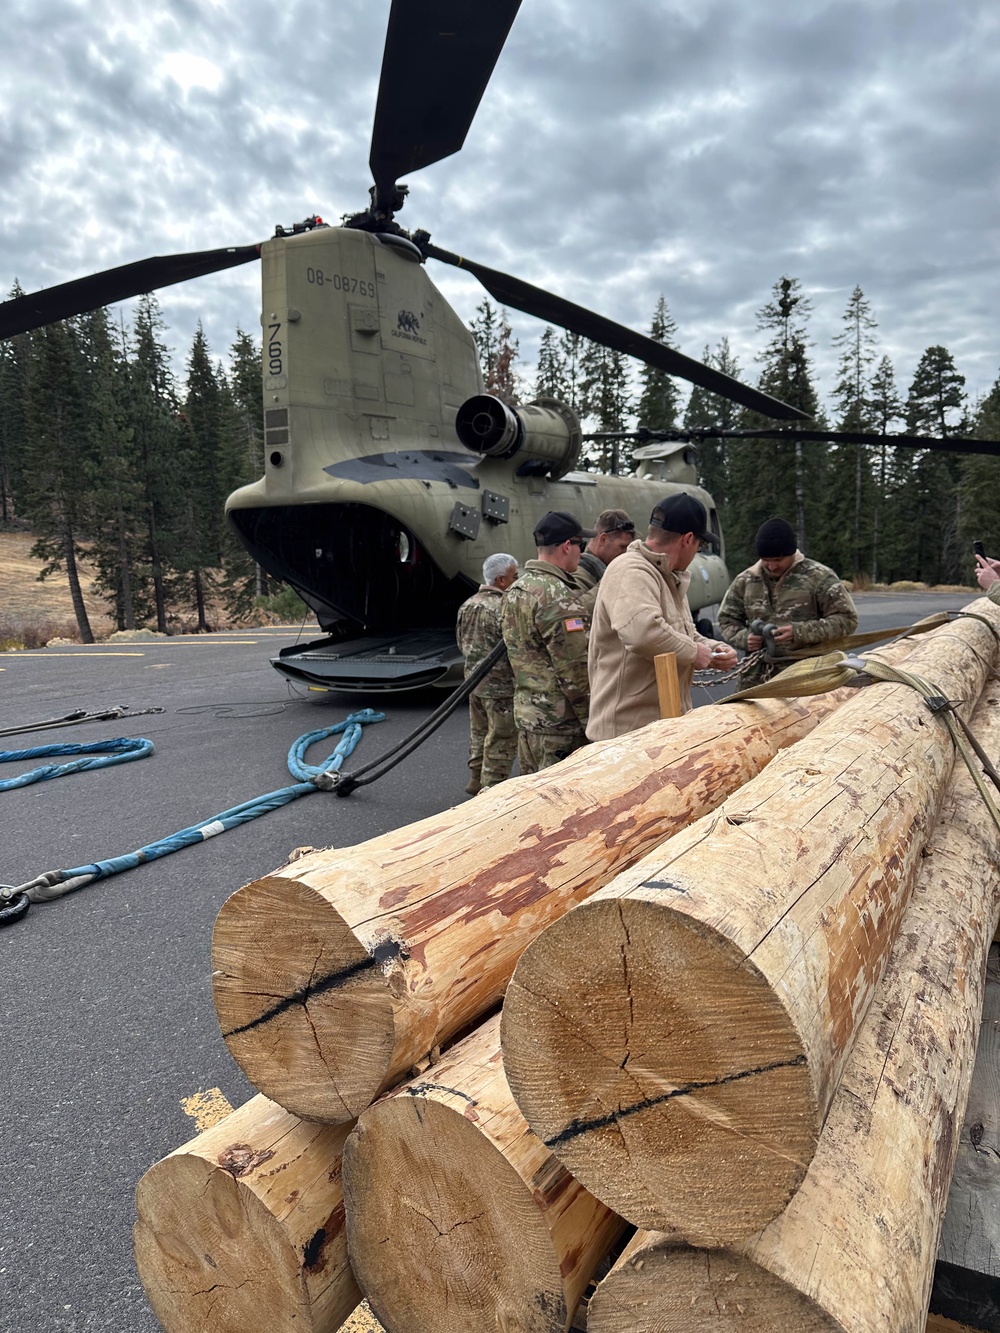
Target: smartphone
{"points": [[979, 549]]}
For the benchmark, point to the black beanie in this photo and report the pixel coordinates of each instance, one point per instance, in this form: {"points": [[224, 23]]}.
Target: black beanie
{"points": [[776, 538]]}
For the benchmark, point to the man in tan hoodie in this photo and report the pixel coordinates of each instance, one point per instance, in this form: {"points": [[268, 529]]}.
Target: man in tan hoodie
{"points": [[642, 610]]}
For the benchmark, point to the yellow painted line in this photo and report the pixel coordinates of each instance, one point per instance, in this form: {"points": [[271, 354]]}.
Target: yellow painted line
{"points": [[207, 1108], [33, 655]]}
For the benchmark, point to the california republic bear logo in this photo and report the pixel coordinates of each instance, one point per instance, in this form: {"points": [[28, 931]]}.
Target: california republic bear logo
{"points": [[408, 321]]}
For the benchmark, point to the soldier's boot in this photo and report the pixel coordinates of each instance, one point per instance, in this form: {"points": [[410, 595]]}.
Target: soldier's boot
{"points": [[475, 777]]}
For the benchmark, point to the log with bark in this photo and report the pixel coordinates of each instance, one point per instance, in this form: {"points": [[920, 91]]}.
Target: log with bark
{"points": [[457, 1217], [677, 1039], [243, 1228], [854, 1251], [334, 975]]}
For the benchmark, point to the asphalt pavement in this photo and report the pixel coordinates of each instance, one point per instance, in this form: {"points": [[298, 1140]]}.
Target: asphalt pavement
{"points": [[108, 1024]]}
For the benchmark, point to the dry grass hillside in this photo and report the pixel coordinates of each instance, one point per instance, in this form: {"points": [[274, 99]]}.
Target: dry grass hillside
{"points": [[34, 611]]}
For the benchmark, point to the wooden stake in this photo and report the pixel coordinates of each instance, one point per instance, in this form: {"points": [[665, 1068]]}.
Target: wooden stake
{"points": [[457, 1217], [335, 975], [668, 687], [243, 1228], [854, 1251], [677, 1040]]}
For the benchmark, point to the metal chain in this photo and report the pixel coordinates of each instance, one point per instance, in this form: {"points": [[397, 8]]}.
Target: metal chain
{"points": [[710, 677]]}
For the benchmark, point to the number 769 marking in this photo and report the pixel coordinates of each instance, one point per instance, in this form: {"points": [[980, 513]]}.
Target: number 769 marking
{"points": [[274, 357]]}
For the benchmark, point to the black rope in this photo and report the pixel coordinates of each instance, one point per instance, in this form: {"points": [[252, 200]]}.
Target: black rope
{"points": [[368, 773], [81, 715]]}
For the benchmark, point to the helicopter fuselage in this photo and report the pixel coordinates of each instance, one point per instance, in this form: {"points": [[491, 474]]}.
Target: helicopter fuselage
{"points": [[370, 505]]}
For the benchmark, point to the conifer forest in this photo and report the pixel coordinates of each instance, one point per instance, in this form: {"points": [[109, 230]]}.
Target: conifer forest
{"points": [[108, 457]]}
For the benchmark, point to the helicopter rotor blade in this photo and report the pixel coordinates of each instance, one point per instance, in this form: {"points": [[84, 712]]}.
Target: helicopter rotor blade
{"points": [[949, 444], [946, 444], [555, 310], [439, 55], [24, 313]]}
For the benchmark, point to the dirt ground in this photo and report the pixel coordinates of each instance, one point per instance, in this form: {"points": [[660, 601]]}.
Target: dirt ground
{"points": [[24, 600]]}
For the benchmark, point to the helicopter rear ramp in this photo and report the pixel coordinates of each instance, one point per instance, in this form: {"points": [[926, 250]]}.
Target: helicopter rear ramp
{"points": [[380, 663]]}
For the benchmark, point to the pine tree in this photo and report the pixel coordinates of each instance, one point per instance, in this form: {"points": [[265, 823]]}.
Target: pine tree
{"points": [[56, 459], [936, 395], [572, 347], [849, 480], [711, 409], [885, 409], [15, 354], [659, 401], [244, 582], [550, 378], [154, 415], [498, 350], [980, 485], [767, 478], [607, 398], [115, 490], [935, 405], [202, 451]]}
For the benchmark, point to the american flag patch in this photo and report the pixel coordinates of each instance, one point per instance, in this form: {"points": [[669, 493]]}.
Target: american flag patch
{"points": [[573, 624]]}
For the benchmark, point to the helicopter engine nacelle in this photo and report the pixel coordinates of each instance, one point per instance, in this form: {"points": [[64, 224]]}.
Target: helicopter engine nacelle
{"points": [[545, 434]]}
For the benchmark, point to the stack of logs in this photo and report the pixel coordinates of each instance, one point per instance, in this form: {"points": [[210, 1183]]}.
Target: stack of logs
{"points": [[743, 956]]}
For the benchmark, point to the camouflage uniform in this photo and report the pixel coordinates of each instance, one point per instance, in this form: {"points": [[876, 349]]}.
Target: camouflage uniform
{"points": [[492, 735], [808, 596], [546, 623], [590, 570]]}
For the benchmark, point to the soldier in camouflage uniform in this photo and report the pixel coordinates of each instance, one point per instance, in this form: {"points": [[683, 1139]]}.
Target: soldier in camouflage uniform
{"points": [[492, 735], [805, 600], [546, 621], [613, 530]]}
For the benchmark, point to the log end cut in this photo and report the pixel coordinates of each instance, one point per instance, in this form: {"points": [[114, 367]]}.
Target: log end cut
{"points": [[652, 1058], [303, 1005], [210, 1255], [657, 1287], [442, 1232]]}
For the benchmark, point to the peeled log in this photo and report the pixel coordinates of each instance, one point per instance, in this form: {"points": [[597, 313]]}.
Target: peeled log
{"points": [[677, 1040], [457, 1217], [855, 1249], [335, 975], [243, 1228]]}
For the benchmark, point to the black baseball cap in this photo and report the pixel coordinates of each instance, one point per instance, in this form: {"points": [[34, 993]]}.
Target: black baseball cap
{"points": [[557, 526], [683, 513]]}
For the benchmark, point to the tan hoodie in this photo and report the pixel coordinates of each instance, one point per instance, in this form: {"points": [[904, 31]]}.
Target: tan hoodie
{"points": [[641, 610]]}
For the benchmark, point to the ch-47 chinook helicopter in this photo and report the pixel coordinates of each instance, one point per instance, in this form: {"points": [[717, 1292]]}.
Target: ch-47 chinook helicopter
{"points": [[389, 474]]}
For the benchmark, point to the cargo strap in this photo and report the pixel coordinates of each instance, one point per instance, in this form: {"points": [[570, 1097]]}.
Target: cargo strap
{"points": [[833, 670]]}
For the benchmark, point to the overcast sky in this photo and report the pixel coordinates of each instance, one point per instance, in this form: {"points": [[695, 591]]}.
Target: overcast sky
{"points": [[624, 148]]}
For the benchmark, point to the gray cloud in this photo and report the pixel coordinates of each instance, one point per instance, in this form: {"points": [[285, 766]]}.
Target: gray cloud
{"points": [[621, 151]]}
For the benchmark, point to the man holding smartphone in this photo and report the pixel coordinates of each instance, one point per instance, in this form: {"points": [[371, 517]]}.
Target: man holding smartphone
{"points": [[987, 573]]}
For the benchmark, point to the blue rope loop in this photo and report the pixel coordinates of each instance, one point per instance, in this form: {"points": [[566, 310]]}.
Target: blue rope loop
{"points": [[56, 883], [99, 754]]}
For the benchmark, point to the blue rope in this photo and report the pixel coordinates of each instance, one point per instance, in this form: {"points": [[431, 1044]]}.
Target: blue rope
{"points": [[121, 751], [311, 777]]}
